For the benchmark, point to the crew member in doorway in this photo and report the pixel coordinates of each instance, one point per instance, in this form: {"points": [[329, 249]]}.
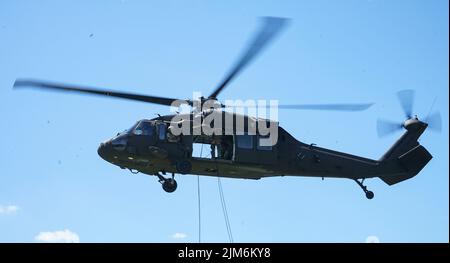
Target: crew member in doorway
{"points": [[226, 150]]}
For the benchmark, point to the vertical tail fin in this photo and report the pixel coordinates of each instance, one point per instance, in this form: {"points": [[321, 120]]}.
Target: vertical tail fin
{"points": [[412, 162], [407, 154]]}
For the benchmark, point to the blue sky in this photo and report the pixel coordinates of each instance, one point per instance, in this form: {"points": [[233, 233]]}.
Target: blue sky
{"points": [[333, 51]]}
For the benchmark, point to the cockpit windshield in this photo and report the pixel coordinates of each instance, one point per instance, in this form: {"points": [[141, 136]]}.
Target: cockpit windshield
{"points": [[144, 128], [127, 131]]}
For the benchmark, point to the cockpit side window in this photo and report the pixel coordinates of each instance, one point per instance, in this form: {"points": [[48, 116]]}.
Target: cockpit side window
{"points": [[144, 128], [162, 131]]}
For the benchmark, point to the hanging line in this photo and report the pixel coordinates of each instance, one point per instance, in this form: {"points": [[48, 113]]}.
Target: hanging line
{"points": [[224, 206], [198, 198], [225, 211]]}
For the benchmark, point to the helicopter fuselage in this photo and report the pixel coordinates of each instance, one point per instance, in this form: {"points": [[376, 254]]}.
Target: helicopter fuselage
{"points": [[149, 148]]}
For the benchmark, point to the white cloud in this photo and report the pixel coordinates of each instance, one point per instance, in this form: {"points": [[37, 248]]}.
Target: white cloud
{"points": [[372, 239], [179, 235], [8, 209], [64, 236]]}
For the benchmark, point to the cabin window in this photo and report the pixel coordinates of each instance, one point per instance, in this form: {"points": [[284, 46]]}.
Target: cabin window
{"points": [[245, 141], [162, 132], [263, 147]]}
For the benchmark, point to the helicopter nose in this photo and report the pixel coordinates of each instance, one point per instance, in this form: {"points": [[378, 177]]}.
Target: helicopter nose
{"points": [[103, 151], [100, 149]]}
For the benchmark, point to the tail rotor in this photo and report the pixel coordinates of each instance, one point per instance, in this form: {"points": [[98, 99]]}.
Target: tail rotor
{"points": [[406, 99]]}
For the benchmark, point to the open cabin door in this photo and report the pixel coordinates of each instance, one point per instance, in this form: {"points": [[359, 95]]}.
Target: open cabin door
{"points": [[213, 147], [249, 149]]}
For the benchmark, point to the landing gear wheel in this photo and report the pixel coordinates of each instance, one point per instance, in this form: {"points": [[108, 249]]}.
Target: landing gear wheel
{"points": [[169, 185], [183, 167], [369, 194]]}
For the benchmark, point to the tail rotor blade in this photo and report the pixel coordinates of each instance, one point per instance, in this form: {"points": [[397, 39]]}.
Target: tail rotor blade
{"points": [[434, 121], [385, 127], [406, 98]]}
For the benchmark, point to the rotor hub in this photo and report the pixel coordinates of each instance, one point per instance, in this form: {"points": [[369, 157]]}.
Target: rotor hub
{"points": [[413, 123]]}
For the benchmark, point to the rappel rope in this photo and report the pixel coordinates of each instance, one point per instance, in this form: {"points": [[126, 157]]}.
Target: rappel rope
{"points": [[198, 198], [222, 202], [225, 212], [224, 206]]}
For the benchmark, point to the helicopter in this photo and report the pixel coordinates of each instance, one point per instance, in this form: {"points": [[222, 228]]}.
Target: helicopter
{"points": [[156, 147]]}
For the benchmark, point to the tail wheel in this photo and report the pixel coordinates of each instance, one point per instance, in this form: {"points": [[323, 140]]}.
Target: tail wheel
{"points": [[370, 194]]}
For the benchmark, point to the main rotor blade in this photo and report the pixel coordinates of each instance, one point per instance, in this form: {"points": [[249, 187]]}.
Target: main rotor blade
{"points": [[385, 127], [406, 98], [434, 121], [20, 83], [270, 29], [332, 107]]}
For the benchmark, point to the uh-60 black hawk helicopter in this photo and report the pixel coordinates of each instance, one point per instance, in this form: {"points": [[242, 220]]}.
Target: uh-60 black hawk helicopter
{"points": [[151, 146]]}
